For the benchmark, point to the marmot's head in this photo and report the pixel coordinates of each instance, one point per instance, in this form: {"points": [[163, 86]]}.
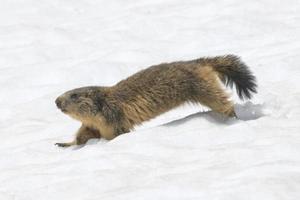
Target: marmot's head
{"points": [[87, 102], [82, 102]]}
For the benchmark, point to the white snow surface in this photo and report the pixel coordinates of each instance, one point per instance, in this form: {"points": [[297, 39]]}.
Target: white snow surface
{"points": [[50, 46]]}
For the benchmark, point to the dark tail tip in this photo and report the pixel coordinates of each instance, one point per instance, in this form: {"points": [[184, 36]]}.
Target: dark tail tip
{"points": [[239, 74], [233, 71]]}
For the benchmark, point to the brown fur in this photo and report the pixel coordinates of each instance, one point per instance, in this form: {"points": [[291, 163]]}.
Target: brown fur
{"points": [[110, 111]]}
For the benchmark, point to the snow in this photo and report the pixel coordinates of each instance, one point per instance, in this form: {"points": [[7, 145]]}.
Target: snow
{"points": [[50, 46]]}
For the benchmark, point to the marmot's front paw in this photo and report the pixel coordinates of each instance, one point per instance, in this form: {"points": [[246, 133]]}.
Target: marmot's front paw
{"points": [[63, 144]]}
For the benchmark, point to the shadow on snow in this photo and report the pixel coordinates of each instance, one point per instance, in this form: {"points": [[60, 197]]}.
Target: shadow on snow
{"points": [[244, 112]]}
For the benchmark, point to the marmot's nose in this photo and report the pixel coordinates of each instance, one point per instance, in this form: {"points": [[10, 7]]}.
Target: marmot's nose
{"points": [[58, 102]]}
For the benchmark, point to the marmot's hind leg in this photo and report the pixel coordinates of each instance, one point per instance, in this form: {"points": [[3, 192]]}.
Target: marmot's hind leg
{"points": [[220, 105], [217, 99], [83, 135]]}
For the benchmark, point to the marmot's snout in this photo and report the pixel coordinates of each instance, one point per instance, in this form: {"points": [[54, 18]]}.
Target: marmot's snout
{"points": [[58, 103]]}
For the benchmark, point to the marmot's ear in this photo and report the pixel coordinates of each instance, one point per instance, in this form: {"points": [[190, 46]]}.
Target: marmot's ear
{"points": [[112, 112]]}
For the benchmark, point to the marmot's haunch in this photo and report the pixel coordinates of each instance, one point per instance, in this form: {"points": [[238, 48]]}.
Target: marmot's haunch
{"points": [[110, 111]]}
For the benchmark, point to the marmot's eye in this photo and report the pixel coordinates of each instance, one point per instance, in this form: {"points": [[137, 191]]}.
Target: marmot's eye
{"points": [[74, 96]]}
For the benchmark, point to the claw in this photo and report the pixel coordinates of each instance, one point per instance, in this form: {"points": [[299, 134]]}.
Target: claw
{"points": [[63, 144]]}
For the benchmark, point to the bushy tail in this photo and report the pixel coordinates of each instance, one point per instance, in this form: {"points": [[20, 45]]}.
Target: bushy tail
{"points": [[232, 70]]}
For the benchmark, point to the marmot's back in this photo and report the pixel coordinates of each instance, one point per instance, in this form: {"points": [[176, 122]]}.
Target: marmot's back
{"points": [[165, 83]]}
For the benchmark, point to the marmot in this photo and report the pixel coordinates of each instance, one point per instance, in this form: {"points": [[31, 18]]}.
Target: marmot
{"points": [[110, 111]]}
